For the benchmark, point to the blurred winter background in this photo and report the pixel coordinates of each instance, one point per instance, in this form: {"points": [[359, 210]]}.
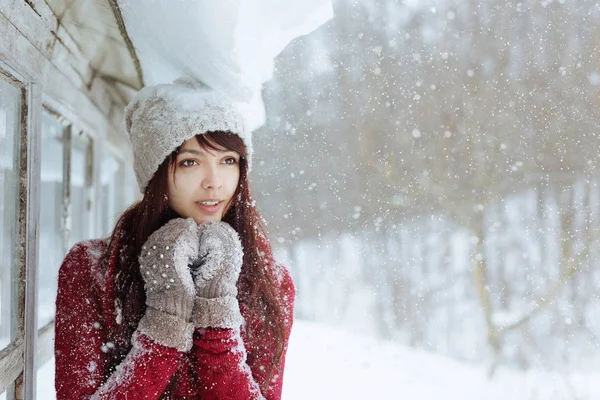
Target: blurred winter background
{"points": [[429, 170]]}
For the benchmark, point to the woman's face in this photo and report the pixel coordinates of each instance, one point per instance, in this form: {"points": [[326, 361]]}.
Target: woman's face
{"points": [[204, 181]]}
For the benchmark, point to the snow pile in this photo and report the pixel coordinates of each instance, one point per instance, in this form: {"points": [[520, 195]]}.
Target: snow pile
{"points": [[326, 363], [228, 45]]}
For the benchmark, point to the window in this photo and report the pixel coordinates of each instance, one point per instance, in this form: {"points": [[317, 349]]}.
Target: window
{"points": [[10, 105], [10, 333], [117, 190], [81, 188], [65, 220], [52, 245], [65, 193], [111, 178]]}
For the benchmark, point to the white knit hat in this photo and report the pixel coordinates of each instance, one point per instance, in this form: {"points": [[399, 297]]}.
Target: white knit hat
{"points": [[160, 118]]}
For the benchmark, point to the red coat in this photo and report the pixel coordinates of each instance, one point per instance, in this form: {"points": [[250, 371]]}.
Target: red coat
{"points": [[223, 363]]}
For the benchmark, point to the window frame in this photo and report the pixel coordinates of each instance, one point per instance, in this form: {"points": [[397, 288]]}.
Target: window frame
{"points": [[12, 355], [44, 350], [17, 359], [88, 103]]}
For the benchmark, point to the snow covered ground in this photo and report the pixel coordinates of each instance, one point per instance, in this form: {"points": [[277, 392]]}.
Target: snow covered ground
{"points": [[327, 363]]}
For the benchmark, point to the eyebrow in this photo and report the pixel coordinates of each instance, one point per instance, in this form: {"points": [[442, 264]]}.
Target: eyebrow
{"points": [[191, 151], [201, 152]]}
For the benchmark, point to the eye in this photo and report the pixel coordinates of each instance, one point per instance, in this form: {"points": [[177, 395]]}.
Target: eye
{"points": [[187, 163], [230, 160]]}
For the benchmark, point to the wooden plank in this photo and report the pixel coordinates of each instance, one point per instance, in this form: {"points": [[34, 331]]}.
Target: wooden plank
{"points": [[63, 53], [11, 363], [52, 40], [79, 63], [31, 140], [41, 8], [15, 50], [26, 21], [102, 97], [60, 93]]}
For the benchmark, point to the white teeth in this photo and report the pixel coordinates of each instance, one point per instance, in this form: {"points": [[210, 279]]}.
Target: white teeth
{"points": [[209, 203]]}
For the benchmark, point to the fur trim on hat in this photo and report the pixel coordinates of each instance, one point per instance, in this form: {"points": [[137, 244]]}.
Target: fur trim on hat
{"points": [[161, 117]]}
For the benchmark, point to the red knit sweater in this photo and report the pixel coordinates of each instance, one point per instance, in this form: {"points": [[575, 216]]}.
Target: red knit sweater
{"points": [[223, 363]]}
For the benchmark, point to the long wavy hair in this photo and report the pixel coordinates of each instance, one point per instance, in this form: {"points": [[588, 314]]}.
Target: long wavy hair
{"points": [[256, 286]]}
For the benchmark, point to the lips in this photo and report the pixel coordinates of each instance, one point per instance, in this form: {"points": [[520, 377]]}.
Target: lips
{"points": [[209, 202], [209, 206]]}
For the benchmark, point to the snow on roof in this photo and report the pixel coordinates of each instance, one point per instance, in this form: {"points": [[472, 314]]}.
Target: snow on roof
{"points": [[229, 45]]}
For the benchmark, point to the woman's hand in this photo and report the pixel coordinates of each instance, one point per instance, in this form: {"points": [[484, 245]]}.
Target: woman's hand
{"points": [[164, 265], [215, 279], [221, 258]]}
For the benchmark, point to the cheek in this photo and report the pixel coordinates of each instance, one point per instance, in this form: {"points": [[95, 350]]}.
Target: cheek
{"points": [[180, 202], [232, 183], [173, 195], [177, 191], [172, 189]]}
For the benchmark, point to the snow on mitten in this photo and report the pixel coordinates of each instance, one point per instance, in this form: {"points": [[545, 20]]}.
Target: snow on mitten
{"points": [[164, 265], [221, 256]]}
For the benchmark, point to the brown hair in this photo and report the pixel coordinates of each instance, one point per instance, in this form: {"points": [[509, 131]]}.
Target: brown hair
{"points": [[257, 286]]}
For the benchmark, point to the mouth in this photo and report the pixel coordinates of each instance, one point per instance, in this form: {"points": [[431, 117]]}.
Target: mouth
{"points": [[209, 203], [210, 206]]}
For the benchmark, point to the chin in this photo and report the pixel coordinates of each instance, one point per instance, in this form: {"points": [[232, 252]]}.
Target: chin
{"points": [[206, 218]]}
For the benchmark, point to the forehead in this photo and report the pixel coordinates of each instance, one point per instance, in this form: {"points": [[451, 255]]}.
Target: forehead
{"points": [[192, 144]]}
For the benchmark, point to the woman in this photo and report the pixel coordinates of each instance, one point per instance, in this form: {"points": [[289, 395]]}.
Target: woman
{"points": [[184, 299]]}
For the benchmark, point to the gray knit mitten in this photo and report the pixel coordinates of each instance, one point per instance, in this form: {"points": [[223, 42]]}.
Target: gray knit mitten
{"points": [[164, 265], [221, 256]]}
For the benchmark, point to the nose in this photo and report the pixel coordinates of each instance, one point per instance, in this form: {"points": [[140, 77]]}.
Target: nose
{"points": [[211, 178]]}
